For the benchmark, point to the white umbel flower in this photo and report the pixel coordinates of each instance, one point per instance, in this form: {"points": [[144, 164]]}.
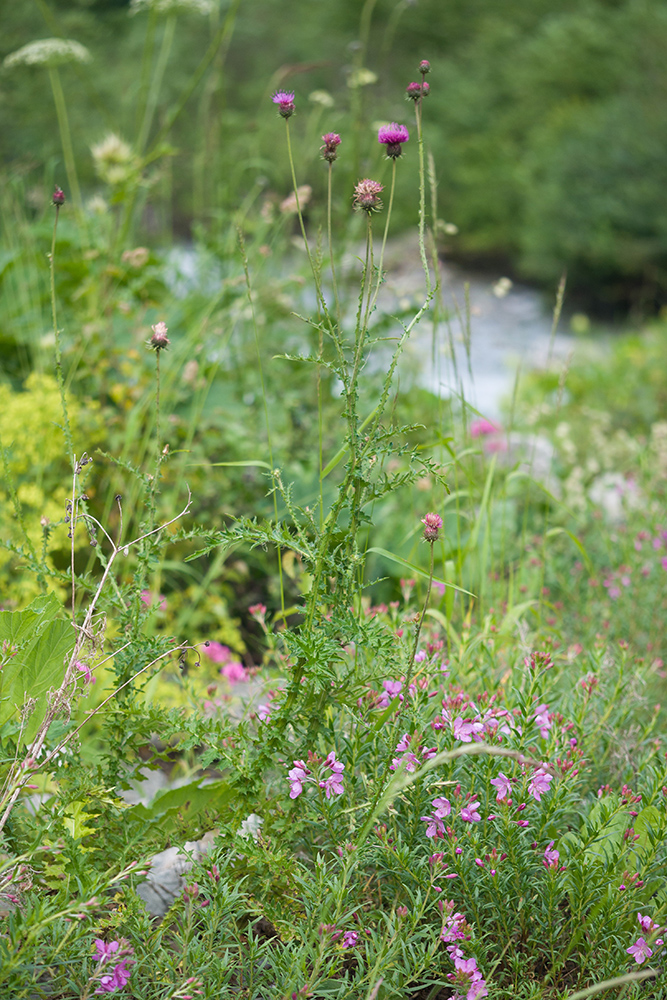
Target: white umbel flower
{"points": [[48, 52]]}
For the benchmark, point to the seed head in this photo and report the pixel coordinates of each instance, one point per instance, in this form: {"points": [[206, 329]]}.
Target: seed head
{"points": [[393, 136], [58, 197], [432, 525], [329, 150], [367, 195], [159, 341], [414, 91], [285, 101]]}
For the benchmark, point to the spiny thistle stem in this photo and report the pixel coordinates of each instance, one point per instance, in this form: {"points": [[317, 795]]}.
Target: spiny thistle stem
{"points": [[334, 281]]}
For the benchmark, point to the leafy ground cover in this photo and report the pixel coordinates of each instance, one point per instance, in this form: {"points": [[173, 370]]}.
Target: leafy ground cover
{"points": [[402, 666]]}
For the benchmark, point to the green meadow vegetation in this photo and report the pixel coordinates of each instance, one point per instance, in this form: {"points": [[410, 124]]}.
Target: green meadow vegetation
{"points": [[313, 683]]}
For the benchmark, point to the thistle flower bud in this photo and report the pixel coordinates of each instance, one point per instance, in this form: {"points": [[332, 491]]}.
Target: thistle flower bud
{"points": [[432, 525], [424, 67], [58, 197], [159, 341], [329, 150], [414, 91]]}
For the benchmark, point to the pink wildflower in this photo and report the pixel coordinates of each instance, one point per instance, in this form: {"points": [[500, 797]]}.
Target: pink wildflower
{"points": [[434, 821], [58, 197], [350, 939], [233, 672], [646, 924], [333, 785], [551, 857], [117, 980], [466, 730], [258, 612], [264, 713], [482, 427], [469, 813], [539, 784], [285, 101], [392, 689], [147, 598], [542, 720], [297, 776], [502, 786], [86, 671], [640, 951]]}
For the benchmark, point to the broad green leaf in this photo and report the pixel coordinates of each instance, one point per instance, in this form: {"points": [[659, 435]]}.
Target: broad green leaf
{"points": [[190, 799], [37, 668]]}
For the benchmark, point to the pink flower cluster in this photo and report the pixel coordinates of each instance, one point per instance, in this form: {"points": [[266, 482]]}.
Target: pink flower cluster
{"points": [[231, 669], [640, 950], [467, 978], [301, 775], [119, 977], [442, 808], [408, 757]]}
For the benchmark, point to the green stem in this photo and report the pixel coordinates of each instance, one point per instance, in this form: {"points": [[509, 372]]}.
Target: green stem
{"points": [[56, 334], [65, 138], [386, 230], [422, 196], [251, 303], [156, 82]]}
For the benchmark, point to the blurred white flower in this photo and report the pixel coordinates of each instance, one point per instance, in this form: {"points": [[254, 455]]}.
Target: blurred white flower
{"points": [[48, 52], [251, 827], [173, 6]]}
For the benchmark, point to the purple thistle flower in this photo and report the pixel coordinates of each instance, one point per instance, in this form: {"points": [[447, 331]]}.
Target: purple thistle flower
{"points": [[285, 101], [393, 136], [159, 341], [432, 522], [367, 195]]}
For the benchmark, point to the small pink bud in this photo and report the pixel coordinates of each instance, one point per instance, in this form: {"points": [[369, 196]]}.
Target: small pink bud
{"points": [[432, 525], [58, 197]]}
